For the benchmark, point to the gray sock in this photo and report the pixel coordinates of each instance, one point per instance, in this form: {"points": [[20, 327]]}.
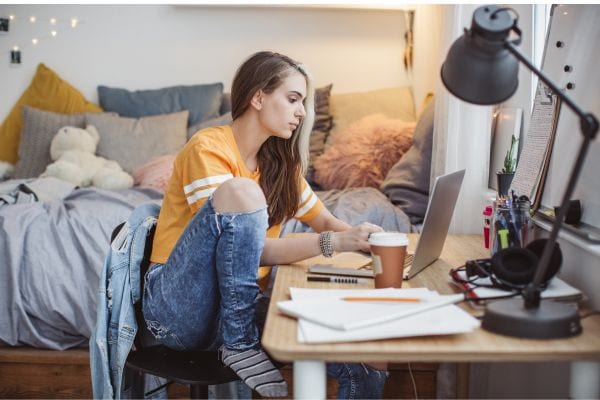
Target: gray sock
{"points": [[256, 370]]}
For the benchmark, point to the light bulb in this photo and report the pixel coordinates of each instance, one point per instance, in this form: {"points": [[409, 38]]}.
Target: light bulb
{"points": [[32, 19], [74, 22], [34, 41], [52, 21], [53, 33], [16, 48], [11, 17]]}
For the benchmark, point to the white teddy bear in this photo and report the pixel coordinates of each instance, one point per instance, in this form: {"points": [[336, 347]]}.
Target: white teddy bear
{"points": [[72, 150]]}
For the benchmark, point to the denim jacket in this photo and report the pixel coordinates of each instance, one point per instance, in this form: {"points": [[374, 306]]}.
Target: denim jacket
{"points": [[119, 290]]}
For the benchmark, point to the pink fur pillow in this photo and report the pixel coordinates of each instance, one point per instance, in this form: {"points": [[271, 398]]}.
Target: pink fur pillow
{"points": [[156, 173], [363, 153]]}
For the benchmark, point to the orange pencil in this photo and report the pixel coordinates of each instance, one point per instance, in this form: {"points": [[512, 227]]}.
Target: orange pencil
{"points": [[400, 299]]}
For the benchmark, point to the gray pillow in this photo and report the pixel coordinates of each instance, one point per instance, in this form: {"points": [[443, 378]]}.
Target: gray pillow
{"points": [[225, 104], [132, 142], [407, 182], [224, 119], [202, 101], [39, 127]]}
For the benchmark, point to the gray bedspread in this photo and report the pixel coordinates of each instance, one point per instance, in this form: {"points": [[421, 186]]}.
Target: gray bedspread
{"points": [[52, 253], [357, 205], [51, 256]]}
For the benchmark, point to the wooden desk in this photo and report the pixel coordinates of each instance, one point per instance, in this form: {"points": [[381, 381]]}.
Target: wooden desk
{"points": [[279, 336]]}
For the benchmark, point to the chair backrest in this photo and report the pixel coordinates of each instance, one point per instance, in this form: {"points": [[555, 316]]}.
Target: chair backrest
{"points": [[144, 337]]}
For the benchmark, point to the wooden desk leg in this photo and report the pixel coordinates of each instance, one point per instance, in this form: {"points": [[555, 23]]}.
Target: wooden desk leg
{"points": [[462, 380], [585, 380], [310, 380]]}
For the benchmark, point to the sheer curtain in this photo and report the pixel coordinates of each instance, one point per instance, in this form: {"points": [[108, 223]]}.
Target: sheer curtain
{"points": [[462, 131]]}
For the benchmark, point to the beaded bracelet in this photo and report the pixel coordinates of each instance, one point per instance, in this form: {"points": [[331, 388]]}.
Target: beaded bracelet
{"points": [[325, 243]]}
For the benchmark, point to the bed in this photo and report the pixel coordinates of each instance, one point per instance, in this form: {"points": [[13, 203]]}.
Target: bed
{"points": [[54, 236]]}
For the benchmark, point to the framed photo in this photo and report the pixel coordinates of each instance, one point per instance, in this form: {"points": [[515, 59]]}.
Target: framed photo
{"points": [[15, 57], [4, 25]]}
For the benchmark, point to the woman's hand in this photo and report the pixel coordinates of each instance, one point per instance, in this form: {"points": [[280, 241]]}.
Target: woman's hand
{"points": [[355, 238]]}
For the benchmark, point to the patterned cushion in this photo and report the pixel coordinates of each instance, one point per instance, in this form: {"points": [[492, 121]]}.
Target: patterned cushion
{"points": [[321, 128], [39, 127]]}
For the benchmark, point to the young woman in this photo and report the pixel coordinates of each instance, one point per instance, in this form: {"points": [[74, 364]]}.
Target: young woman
{"points": [[232, 187]]}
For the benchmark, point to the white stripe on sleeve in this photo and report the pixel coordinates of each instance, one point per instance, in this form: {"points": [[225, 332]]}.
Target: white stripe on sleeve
{"points": [[210, 180], [200, 194], [304, 209], [305, 194]]}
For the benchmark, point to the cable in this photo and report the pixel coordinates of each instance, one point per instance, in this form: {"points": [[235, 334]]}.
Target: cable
{"points": [[589, 314], [412, 378], [516, 16]]}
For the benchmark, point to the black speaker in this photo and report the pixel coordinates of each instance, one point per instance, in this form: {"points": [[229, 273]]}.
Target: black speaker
{"points": [[515, 267]]}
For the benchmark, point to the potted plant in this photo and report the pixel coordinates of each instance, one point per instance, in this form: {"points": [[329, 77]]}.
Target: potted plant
{"points": [[505, 177]]}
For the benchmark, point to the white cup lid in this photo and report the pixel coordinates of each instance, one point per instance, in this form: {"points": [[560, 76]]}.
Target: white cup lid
{"points": [[388, 239]]}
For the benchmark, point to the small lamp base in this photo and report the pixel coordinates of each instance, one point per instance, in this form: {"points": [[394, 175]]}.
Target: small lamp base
{"points": [[550, 320]]}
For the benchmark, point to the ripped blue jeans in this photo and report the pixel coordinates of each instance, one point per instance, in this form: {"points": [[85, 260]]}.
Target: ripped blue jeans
{"points": [[206, 293]]}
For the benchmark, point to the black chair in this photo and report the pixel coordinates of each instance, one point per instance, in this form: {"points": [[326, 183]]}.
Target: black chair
{"points": [[198, 369]]}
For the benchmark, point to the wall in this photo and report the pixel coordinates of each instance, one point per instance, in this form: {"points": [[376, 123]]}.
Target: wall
{"points": [[428, 20], [142, 47]]}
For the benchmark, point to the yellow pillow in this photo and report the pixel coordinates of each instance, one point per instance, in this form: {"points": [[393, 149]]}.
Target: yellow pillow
{"points": [[48, 92], [347, 108]]}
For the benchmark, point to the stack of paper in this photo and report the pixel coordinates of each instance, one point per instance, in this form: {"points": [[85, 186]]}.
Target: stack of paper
{"points": [[324, 317]]}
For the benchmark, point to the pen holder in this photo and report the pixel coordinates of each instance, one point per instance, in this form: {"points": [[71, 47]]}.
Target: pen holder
{"points": [[511, 226]]}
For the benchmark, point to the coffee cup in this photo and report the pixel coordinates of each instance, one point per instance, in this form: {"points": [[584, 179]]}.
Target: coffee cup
{"points": [[388, 250]]}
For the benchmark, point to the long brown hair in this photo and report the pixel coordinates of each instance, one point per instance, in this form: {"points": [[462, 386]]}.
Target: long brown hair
{"points": [[281, 162]]}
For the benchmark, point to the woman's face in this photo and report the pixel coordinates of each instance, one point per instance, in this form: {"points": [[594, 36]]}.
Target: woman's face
{"points": [[282, 110]]}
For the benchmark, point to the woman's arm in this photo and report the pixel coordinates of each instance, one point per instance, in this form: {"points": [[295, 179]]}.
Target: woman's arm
{"points": [[344, 238], [325, 221]]}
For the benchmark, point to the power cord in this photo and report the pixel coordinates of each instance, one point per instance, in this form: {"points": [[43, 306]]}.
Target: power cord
{"points": [[412, 378]]}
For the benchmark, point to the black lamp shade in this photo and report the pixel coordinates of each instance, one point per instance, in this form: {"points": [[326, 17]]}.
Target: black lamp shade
{"points": [[478, 68]]}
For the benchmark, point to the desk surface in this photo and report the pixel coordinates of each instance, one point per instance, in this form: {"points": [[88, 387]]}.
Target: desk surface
{"points": [[279, 336]]}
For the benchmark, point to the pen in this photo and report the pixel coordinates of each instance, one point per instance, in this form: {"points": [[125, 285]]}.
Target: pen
{"points": [[399, 299], [336, 279]]}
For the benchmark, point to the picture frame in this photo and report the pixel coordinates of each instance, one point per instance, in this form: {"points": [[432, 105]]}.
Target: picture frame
{"points": [[4, 25]]}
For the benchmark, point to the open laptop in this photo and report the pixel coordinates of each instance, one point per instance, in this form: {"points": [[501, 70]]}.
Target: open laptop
{"points": [[433, 234], [436, 223]]}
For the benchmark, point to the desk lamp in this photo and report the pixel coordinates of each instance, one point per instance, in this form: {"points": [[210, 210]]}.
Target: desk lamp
{"points": [[481, 68]]}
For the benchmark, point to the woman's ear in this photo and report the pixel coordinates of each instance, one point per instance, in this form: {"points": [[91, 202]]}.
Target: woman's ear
{"points": [[257, 100]]}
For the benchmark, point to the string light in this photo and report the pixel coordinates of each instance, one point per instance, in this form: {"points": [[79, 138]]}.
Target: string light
{"points": [[56, 24]]}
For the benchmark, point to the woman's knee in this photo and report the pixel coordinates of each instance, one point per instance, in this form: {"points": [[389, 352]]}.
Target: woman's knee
{"points": [[238, 195]]}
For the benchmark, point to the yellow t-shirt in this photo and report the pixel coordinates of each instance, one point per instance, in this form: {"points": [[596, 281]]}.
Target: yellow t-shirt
{"points": [[210, 158]]}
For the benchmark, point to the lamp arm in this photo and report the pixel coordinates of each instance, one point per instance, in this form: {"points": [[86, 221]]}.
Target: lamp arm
{"points": [[589, 129]]}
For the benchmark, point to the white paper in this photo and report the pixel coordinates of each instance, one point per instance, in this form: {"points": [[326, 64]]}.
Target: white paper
{"points": [[325, 307], [445, 320], [535, 154]]}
